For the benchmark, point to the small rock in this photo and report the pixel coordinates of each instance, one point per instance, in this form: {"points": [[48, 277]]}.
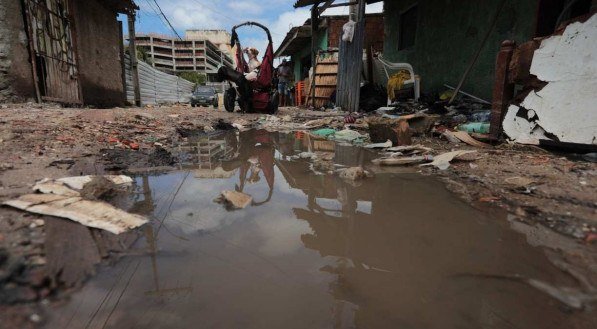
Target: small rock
{"points": [[353, 174], [99, 188], [37, 260], [145, 116], [35, 318], [236, 200], [37, 223]]}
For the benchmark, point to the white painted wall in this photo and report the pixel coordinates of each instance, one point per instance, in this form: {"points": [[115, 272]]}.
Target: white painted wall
{"points": [[567, 106]]}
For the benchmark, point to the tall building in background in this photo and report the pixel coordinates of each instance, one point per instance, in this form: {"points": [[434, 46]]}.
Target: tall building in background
{"points": [[220, 38], [172, 55]]}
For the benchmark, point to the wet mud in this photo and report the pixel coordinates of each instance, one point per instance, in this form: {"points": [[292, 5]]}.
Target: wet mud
{"points": [[393, 249]]}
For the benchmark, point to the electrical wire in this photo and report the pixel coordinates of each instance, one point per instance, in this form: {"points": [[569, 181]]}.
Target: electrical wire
{"points": [[166, 18]]}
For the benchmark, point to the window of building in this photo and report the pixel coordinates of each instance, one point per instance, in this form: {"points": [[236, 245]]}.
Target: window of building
{"points": [[408, 27]]}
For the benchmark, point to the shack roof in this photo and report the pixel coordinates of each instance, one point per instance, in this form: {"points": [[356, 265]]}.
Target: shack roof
{"points": [[121, 6], [299, 36], [296, 39], [307, 3]]}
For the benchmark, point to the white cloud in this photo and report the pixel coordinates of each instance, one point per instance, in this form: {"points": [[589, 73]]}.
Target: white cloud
{"points": [[286, 21], [246, 7], [223, 14], [373, 8]]}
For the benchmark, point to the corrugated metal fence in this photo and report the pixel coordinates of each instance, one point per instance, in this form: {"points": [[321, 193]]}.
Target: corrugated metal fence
{"points": [[156, 86]]}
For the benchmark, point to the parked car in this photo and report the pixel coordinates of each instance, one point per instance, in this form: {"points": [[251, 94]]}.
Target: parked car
{"points": [[204, 96]]}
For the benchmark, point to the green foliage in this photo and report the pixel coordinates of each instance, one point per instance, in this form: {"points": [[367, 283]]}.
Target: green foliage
{"points": [[142, 55], [195, 77]]}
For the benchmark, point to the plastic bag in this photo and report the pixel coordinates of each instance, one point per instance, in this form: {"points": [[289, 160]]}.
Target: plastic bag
{"points": [[348, 31]]}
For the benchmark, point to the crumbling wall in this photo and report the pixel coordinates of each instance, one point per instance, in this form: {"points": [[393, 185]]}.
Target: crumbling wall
{"points": [[448, 34], [563, 110], [16, 81], [98, 48]]}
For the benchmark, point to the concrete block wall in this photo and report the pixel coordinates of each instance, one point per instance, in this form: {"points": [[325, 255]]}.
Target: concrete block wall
{"points": [[16, 82]]}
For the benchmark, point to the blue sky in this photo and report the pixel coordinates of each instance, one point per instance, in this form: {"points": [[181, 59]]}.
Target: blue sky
{"points": [[278, 15]]}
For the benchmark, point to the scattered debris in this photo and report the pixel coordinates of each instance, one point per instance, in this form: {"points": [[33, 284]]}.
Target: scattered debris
{"points": [[521, 184], [410, 149], [234, 199], [58, 198], [475, 127], [324, 132], [348, 135], [464, 137], [387, 144], [391, 161], [89, 213], [442, 161], [353, 174]]}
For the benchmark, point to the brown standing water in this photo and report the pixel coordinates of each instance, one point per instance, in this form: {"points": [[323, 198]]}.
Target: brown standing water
{"points": [[313, 251]]}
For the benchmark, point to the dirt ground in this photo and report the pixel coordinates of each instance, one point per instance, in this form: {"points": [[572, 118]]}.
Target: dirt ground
{"points": [[44, 141]]}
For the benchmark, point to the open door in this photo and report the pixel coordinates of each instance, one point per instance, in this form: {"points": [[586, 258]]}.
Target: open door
{"points": [[52, 50]]}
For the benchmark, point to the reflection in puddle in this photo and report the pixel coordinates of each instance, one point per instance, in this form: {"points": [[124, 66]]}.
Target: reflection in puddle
{"points": [[313, 251]]}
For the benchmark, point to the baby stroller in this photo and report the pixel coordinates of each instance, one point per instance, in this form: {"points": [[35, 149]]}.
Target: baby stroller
{"points": [[259, 96]]}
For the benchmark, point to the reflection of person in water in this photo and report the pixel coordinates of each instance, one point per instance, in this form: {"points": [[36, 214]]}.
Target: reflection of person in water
{"points": [[256, 157], [254, 170]]}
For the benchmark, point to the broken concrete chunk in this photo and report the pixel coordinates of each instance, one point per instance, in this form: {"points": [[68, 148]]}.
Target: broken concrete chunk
{"points": [[442, 161], [353, 174], [236, 200]]}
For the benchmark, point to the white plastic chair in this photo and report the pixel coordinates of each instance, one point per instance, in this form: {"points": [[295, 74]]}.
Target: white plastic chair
{"points": [[384, 67]]}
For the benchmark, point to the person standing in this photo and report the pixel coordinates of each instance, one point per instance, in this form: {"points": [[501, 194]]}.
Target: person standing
{"points": [[283, 79]]}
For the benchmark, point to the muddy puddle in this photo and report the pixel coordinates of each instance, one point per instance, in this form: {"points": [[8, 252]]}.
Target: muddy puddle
{"points": [[314, 251]]}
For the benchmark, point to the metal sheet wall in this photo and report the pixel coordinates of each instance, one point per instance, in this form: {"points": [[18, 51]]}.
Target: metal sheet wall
{"points": [[156, 86]]}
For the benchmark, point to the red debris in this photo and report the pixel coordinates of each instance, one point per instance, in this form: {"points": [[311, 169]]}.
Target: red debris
{"points": [[489, 199]]}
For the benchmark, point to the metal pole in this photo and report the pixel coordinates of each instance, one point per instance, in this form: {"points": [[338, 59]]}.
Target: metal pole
{"points": [[122, 60], [133, 56]]}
